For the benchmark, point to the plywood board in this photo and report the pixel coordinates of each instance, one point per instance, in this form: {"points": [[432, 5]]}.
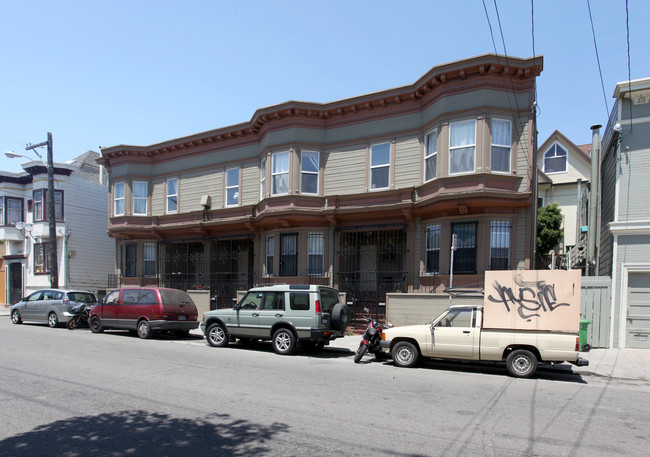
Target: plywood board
{"points": [[532, 300]]}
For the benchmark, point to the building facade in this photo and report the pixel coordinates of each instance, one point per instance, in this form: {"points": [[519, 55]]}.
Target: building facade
{"points": [[366, 194], [624, 247], [86, 254], [563, 178]]}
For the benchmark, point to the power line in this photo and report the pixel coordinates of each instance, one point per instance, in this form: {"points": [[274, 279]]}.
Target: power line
{"points": [[600, 72], [629, 71]]}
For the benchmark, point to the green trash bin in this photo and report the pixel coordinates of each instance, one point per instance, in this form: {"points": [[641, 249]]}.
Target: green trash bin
{"points": [[584, 345]]}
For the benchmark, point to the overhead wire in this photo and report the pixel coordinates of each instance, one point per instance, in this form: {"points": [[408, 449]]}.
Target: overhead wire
{"points": [[600, 72], [629, 71]]}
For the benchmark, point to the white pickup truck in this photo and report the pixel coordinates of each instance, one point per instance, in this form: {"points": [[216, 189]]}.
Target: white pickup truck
{"points": [[457, 334]]}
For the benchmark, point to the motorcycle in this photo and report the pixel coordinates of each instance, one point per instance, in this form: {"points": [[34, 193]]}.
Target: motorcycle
{"points": [[371, 338], [80, 315]]}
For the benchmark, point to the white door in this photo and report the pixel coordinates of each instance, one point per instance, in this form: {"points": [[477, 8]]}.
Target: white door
{"points": [[638, 311]]}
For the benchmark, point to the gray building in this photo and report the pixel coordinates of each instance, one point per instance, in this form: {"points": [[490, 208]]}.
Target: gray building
{"points": [[624, 248]]}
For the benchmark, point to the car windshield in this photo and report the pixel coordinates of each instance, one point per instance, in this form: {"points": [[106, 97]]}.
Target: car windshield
{"points": [[82, 297], [175, 297], [328, 298]]}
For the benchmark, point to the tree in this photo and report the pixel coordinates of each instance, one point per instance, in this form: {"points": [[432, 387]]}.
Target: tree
{"points": [[549, 229]]}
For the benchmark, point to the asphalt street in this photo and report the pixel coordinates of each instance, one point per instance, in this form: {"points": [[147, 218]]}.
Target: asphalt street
{"points": [[76, 393]]}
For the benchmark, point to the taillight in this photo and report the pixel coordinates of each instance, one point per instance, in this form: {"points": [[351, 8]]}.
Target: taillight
{"points": [[578, 344], [318, 307], [65, 301]]}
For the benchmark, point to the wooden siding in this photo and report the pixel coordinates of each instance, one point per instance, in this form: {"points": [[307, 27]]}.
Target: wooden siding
{"points": [[408, 163], [249, 188], [92, 252], [193, 186], [524, 155], [158, 197], [608, 202], [521, 241], [345, 171], [634, 185]]}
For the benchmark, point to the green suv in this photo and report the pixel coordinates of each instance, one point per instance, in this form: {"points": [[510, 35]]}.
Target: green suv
{"points": [[285, 314]]}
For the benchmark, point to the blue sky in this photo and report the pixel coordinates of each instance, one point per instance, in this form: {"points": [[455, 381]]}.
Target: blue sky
{"points": [[141, 72]]}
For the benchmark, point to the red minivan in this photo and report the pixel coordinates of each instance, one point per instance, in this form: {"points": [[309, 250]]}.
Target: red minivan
{"points": [[145, 310]]}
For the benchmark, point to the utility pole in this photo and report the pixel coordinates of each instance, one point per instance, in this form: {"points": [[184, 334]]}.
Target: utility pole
{"points": [[51, 217]]}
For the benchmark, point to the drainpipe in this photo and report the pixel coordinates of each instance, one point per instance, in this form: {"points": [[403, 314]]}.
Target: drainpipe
{"points": [[592, 234]]}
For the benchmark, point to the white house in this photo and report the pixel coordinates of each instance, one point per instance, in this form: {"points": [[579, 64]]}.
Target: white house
{"points": [[85, 252]]}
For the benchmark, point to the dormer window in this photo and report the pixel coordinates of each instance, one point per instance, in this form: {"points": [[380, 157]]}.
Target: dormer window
{"points": [[555, 159]]}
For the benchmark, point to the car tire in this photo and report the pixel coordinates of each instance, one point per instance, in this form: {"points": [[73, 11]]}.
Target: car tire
{"points": [[15, 317], [339, 316], [284, 343], [361, 351], [405, 354], [143, 329], [216, 335], [72, 323], [521, 363], [52, 320], [96, 325]]}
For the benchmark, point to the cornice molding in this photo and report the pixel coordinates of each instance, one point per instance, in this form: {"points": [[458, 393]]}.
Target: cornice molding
{"points": [[630, 228]]}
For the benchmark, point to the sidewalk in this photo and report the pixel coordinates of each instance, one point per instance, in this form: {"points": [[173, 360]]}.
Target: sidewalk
{"points": [[621, 363]]}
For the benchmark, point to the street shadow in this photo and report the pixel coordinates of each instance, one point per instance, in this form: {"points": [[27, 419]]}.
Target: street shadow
{"points": [[561, 372], [266, 346], [140, 433], [157, 335]]}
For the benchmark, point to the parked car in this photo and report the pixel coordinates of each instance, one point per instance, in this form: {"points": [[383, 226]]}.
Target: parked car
{"points": [[285, 314], [145, 310], [49, 306]]}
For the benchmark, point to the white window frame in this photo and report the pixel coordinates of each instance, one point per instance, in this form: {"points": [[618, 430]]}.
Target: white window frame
{"points": [[453, 148], [554, 147], [232, 172], [117, 199], [379, 166], [498, 145], [171, 196], [263, 178], [430, 155], [275, 175], [307, 173], [135, 198]]}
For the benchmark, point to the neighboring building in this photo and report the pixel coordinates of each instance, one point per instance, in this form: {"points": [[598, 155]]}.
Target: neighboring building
{"points": [[363, 194], [86, 255], [564, 171], [624, 250]]}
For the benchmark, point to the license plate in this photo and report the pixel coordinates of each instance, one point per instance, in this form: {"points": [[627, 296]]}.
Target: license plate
{"points": [[182, 318]]}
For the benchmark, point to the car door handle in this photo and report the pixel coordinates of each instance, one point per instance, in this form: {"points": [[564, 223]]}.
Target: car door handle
{"points": [[255, 314], [278, 315], [466, 331]]}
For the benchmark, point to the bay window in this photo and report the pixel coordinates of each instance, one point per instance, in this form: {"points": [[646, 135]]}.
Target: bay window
{"points": [[118, 199], [462, 146], [501, 145], [14, 210], [140, 194], [430, 155], [309, 170], [280, 173]]}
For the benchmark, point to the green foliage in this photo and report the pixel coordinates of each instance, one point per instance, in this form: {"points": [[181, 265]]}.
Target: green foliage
{"points": [[549, 228]]}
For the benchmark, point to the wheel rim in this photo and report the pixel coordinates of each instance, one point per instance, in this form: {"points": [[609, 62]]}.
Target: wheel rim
{"points": [[95, 323], [521, 364], [143, 328], [14, 317], [217, 335], [52, 320], [404, 355], [283, 341]]}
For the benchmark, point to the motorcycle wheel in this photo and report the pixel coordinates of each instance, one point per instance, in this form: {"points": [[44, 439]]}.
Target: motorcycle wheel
{"points": [[72, 323], [360, 353]]}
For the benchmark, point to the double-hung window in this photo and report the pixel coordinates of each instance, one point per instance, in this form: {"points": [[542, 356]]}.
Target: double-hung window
{"points": [[280, 173], [555, 159], [462, 146], [14, 210], [433, 249], [140, 194], [149, 257], [39, 205], [232, 186], [309, 169], [501, 145], [263, 179], [430, 155], [2, 211], [270, 250], [41, 258], [118, 199], [500, 245], [380, 166], [172, 195], [315, 253], [58, 205]]}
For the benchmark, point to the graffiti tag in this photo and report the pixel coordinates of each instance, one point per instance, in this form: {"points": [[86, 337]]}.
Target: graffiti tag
{"points": [[529, 300]]}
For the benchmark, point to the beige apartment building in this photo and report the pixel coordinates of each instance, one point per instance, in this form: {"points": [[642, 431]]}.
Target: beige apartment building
{"points": [[365, 194]]}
